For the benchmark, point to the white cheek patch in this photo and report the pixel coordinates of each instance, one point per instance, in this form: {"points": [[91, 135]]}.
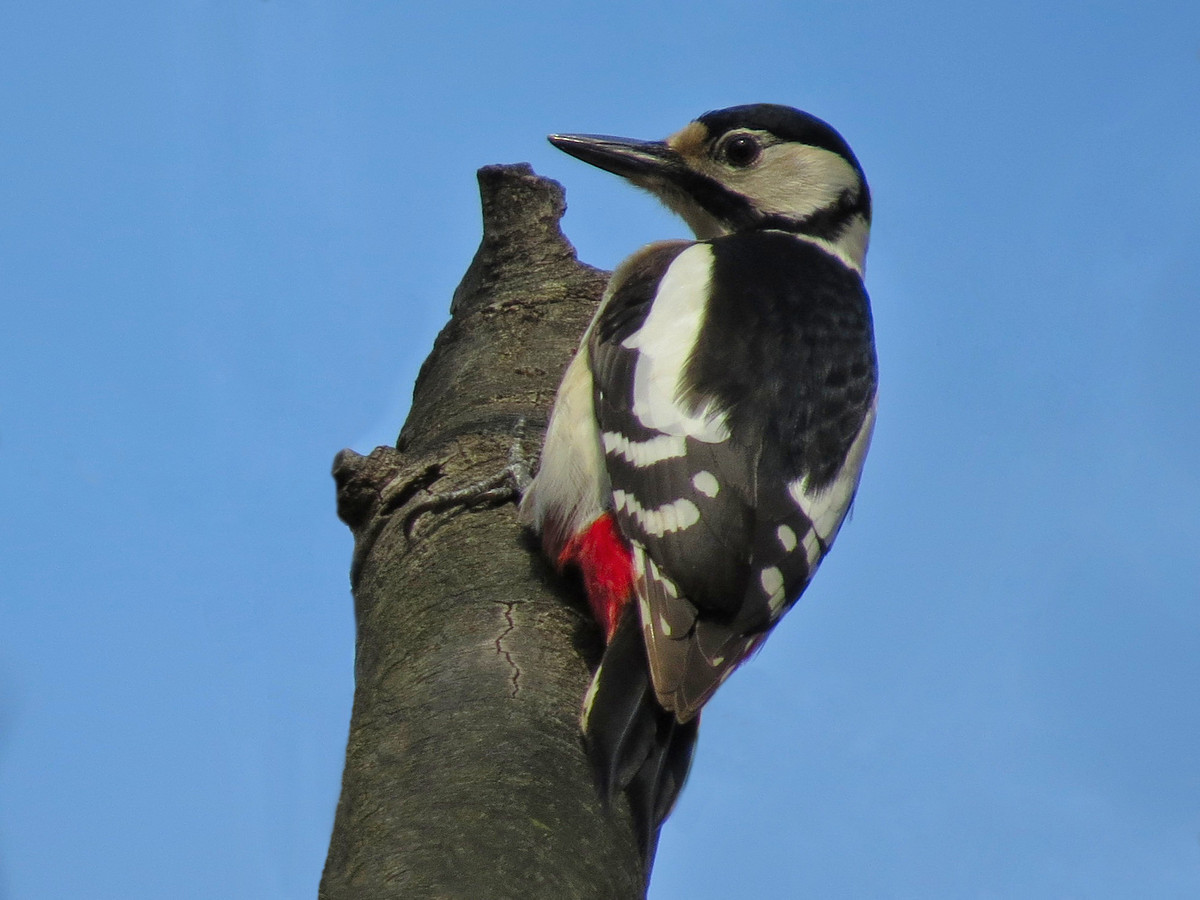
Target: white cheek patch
{"points": [[664, 345], [797, 180]]}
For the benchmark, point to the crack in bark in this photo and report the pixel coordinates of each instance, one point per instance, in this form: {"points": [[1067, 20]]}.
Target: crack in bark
{"points": [[508, 617]]}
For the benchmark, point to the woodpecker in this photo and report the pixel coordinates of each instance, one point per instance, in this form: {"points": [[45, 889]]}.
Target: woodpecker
{"points": [[707, 440]]}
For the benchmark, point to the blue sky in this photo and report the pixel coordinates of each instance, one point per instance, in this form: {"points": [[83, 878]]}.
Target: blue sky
{"points": [[229, 232]]}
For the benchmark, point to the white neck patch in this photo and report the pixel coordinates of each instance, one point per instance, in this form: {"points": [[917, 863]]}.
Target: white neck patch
{"points": [[850, 247]]}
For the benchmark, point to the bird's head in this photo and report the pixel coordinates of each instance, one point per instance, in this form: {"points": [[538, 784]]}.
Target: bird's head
{"points": [[761, 166]]}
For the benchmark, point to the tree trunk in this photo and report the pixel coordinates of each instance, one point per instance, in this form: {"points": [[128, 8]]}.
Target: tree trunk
{"points": [[465, 775]]}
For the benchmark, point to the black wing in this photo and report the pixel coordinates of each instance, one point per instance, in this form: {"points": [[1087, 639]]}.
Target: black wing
{"points": [[730, 482]]}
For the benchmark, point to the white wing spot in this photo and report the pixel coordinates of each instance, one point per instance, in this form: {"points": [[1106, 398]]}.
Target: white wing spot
{"points": [[639, 560], [706, 483], [667, 584], [827, 507], [664, 626], [644, 453], [639, 570], [674, 516], [772, 584], [787, 538], [812, 549]]}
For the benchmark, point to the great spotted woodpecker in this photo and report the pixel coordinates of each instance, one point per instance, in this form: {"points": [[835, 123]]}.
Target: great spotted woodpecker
{"points": [[708, 437]]}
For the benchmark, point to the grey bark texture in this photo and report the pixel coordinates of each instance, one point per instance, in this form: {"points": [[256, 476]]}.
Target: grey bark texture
{"points": [[465, 776]]}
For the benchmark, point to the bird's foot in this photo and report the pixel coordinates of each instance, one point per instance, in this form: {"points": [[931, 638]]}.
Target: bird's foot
{"points": [[509, 484]]}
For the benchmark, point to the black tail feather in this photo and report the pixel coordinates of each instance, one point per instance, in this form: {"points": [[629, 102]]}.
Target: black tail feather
{"points": [[635, 745]]}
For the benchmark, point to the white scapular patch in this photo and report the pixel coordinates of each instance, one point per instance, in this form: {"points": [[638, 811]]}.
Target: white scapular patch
{"points": [[665, 343], [664, 626], [706, 483], [674, 516], [644, 453], [827, 508], [787, 538], [772, 584]]}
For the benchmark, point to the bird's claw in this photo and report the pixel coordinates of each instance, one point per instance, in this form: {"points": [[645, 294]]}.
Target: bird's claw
{"points": [[508, 484]]}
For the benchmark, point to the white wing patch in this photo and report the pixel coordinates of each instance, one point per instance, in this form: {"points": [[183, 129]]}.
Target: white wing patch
{"points": [[827, 507], [706, 483], [787, 538], [812, 548], [674, 516], [665, 343], [771, 580], [639, 575], [644, 453]]}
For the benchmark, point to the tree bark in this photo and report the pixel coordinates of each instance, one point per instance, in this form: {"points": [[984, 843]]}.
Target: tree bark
{"points": [[465, 775]]}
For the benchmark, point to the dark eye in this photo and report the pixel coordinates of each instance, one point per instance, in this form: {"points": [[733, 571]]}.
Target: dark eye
{"points": [[741, 150]]}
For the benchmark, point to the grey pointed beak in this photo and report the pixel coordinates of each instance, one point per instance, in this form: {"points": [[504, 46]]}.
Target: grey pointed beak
{"points": [[622, 156]]}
